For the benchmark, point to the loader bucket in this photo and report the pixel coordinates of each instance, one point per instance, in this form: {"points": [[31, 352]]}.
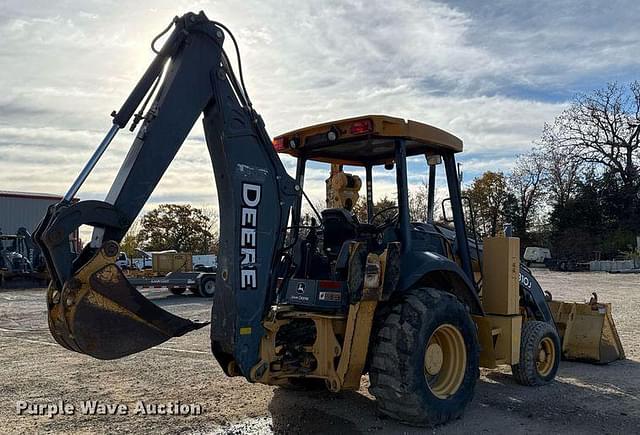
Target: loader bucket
{"points": [[587, 331], [100, 314]]}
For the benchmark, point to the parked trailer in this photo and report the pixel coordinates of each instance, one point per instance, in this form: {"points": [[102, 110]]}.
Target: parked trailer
{"points": [[199, 283], [174, 271], [535, 256]]}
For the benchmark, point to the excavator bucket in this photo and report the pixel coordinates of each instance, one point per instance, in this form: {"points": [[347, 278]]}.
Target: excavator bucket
{"points": [[587, 331], [100, 314]]}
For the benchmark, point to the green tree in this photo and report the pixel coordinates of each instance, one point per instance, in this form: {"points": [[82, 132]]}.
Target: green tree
{"points": [[180, 227], [595, 219], [491, 200]]}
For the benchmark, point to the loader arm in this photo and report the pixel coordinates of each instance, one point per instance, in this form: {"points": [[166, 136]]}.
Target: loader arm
{"points": [[92, 308]]}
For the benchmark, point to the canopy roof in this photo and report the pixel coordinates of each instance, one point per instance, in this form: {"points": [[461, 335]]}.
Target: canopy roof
{"points": [[365, 140]]}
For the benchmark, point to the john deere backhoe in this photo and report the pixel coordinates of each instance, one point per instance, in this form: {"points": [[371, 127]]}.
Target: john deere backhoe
{"points": [[417, 306]]}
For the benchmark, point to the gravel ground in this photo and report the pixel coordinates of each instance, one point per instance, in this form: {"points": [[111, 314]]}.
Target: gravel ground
{"points": [[584, 399]]}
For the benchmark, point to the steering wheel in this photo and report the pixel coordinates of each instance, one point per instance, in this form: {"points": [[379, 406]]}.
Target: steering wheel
{"points": [[388, 222]]}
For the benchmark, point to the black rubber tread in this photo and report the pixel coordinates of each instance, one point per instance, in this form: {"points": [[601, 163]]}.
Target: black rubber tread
{"points": [[396, 371], [526, 372], [200, 291], [178, 290]]}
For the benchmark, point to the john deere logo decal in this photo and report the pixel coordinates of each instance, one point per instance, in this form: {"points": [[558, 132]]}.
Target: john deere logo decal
{"points": [[248, 236], [300, 289]]}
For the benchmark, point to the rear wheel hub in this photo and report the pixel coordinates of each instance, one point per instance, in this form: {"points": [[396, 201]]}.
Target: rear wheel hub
{"points": [[445, 361]]}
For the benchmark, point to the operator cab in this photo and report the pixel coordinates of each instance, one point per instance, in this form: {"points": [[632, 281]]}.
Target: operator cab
{"points": [[321, 248]]}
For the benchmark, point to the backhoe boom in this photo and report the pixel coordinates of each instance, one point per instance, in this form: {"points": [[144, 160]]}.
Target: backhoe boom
{"points": [[92, 308]]}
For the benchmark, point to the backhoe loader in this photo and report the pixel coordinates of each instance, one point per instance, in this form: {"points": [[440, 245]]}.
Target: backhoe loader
{"points": [[418, 306]]}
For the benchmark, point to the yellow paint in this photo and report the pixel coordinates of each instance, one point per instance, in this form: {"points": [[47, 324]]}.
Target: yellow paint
{"points": [[501, 268], [445, 361], [356, 343], [588, 331], [425, 137], [499, 338], [354, 331]]}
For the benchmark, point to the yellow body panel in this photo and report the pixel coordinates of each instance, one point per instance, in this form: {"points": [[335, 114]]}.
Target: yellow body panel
{"points": [[499, 338], [356, 341], [501, 267], [500, 330]]}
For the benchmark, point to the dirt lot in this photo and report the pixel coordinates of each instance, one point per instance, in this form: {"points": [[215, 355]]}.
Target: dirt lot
{"points": [[585, 398]]}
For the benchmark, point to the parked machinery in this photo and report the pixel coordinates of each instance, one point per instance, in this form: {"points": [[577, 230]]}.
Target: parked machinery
{"points": [[294, 303], [21, 262]]}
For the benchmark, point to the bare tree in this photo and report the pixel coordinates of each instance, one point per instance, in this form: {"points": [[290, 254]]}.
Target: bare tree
{"points": [[212, 242], [603, 128], [562, 167], [526, 182], [418, 202]]}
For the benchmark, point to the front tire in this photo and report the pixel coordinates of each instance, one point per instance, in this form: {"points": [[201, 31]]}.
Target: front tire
{"points": [[539, 354], [424, 362]]}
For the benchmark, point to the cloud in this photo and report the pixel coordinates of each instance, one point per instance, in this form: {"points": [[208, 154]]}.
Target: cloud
{"points": [[555, 48], [490, 72]]}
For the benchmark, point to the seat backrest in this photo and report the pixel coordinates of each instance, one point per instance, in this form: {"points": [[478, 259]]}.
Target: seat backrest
{"points": [[339, 225]]}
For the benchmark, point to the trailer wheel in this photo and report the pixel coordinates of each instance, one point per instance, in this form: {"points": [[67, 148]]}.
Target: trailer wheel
{"points": [[424, 361], [178, 290], [539, 354], [207, 287]]}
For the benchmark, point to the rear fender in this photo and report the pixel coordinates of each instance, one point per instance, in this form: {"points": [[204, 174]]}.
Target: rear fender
{"points": [[434, 270]]}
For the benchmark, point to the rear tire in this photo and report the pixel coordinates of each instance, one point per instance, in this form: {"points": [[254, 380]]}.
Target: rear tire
{"points": [[207, 287], [424, 363], [539, 354]]}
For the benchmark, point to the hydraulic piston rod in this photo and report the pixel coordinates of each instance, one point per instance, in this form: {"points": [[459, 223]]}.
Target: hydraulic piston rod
{"points": [[91, 163]]}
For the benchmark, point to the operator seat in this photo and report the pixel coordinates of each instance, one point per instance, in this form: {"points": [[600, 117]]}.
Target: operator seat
{"points": [[339, 225]]}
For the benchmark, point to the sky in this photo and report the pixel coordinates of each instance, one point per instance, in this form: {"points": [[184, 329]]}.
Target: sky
{"points": [[490, 72]]}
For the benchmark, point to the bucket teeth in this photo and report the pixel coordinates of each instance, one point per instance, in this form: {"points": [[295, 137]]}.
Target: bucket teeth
{"points": [[99, 313]]}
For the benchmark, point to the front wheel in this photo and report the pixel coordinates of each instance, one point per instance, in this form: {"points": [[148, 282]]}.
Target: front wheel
{"points": [[424, 362], [539, 354]]}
